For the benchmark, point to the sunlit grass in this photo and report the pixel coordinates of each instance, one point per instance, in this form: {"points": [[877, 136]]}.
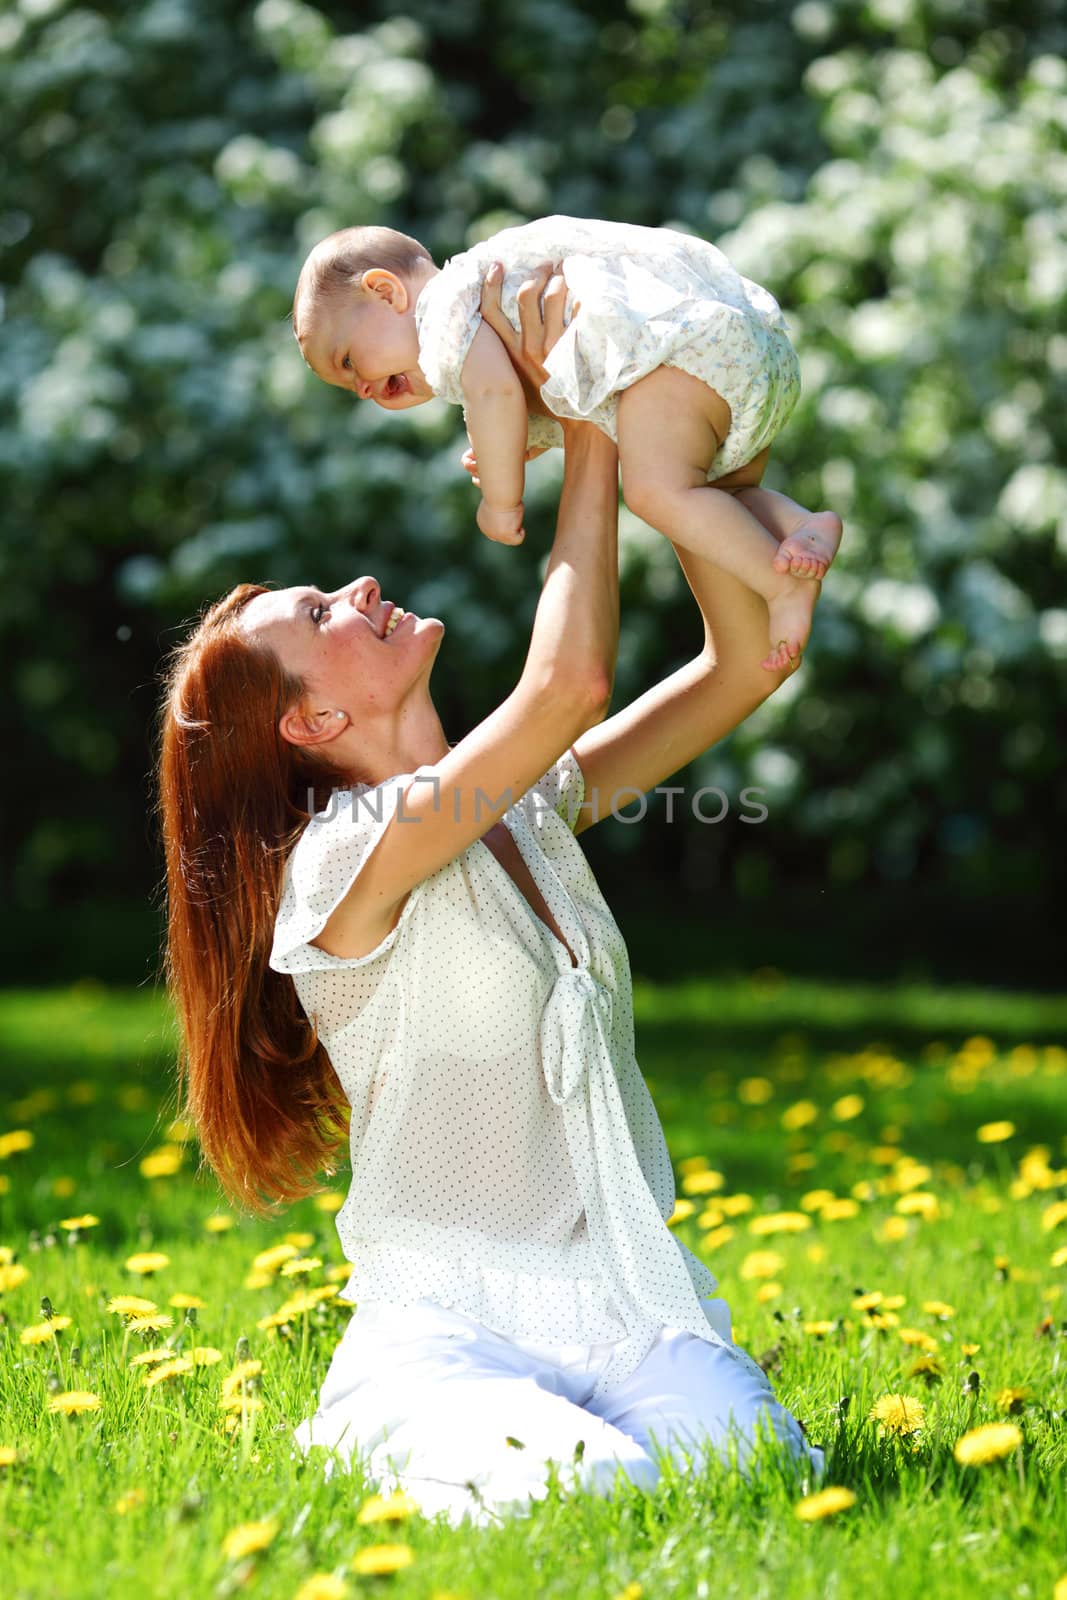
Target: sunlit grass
{"points": [[876, 1176]]}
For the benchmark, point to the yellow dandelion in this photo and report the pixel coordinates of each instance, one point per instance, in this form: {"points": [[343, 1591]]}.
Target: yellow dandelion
{"points": [[755, 1091], [991, 1442], [1012, 1400], [824, 1504], [9, 1456], [780, 1222], [839, 1210], [300, 1266], [12, 1275], [897, 1413], [220, 1223], [151, 1322], [867, 1302], [339, 1274], [131, 1305], [718, 1237], [205, 1355], [249, 1537], [240, 1405], [815, 1199], [882, 1319], [132, 1500], [328, 1202], [916, 1336], [168, 1369], [41, 1332], [300, 1241], [162, 1163], [322, 1586], [80, 1223], [1053, 1215], [146, 1262], [13, 1143], [1060, 1591], [182, 1302], [242, 1372], [818, 1330], [735, 1205], [710, 1217], [382, 1558], [762, 1264], [848, 1107], [995, 1132], [394, 1508], [1058, 1258], [180, 1130], [148, 1358], [270, 1260], [768, 1291], [682, 1209], [799, 1115], [633, 1591], [919, 1204], [704, 1182], [74, 1402], [259, 1280], [938, 1308], [926, 1367], [970, 1349]]}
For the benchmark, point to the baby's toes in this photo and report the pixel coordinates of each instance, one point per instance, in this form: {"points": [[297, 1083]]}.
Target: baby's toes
{"points": [[781, 560]]}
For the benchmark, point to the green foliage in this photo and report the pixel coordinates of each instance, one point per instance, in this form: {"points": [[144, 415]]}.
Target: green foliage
{"points": [[893, 171]]}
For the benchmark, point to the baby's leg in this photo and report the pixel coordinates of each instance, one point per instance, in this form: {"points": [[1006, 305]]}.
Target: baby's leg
{"points": [[666, 441]]}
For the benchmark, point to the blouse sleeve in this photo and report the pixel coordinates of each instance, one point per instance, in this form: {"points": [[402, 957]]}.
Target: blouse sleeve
{"points": [[447, 316], [562, 790], [323, 865]]}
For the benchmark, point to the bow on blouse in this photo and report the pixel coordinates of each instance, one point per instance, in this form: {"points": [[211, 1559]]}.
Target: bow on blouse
{"points": [[640, 1258]]}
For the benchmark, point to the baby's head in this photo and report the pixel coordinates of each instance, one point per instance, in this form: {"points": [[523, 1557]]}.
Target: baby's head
{"points": [[354, 314]]}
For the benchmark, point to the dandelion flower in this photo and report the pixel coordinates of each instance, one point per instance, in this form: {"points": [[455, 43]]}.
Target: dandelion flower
{"points": [[897, 1413], [329, 1202], [270, 1260], [1060, 1591], [378, 1508], [168, 1369], [839, 1210], [815, 1199], [146, 1262], [382, 1558], [926, 1367], [204, 1355], [148, 1358], [242, 1372], [818, 1329], [824, 1504], [132, 1500], [12, 1275], [300, 1265], [991, 1442], [920, 1203], [718, 1236], [848, 1107], [80, 1223], [970, 1349], [249, 1537], [8, 1455], [799, 1115], [780, 1222], [1053, 1215], [1012, 1400], [1058, 1258], [735, 1205], [183, 1302], [938, 1308], [995, 1132], [867, 1302], [762, 1264], [918, 1337], [322, 1586], [768, 1291], [162, 1163], [74, 1402], [706, 1182], [41, 1332], [300, 1241], [219, 1224], [131, 1305], [12, 1143], [152, 1322]]}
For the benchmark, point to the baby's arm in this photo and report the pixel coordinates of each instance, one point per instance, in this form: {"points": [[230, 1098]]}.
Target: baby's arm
{"points": [[495, 408]]}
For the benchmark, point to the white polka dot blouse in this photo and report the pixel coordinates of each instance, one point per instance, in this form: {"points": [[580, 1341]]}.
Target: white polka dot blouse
{"points": [[507, 1159]]}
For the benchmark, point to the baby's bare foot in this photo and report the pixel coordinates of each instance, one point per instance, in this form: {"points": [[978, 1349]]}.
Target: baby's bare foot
{"points": [[790, 609], [809, 550]]}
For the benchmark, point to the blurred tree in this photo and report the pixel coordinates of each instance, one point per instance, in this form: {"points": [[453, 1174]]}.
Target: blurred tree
{"points": [[894, 171]]}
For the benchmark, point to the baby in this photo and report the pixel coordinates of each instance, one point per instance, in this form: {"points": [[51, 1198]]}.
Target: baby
{"points": [[666, 348]]}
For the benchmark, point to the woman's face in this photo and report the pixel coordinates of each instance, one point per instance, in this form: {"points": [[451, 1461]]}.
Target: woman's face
{"points": [[336, 642]]}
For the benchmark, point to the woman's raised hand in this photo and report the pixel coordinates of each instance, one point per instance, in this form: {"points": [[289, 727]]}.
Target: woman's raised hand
{"points": [[540, 327]]}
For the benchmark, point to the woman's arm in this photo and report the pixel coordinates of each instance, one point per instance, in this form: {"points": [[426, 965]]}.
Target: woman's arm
{"points": [[678, 719]]}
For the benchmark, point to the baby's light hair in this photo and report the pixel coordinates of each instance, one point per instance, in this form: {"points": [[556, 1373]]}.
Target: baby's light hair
{"points": [[338, 262]]}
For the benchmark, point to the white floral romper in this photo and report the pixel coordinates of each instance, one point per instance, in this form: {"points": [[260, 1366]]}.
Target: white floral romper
{"points": [[649, 297]]}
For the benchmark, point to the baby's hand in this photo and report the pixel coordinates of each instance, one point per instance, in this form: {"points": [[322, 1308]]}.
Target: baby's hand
{"points": [[469, 462], [504, 526]]}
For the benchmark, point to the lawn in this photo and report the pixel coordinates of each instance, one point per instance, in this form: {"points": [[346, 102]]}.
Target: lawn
{"points": [[877, 1176]]}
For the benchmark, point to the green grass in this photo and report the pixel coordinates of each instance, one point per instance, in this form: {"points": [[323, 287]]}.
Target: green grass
{"points": [[86, 1071]]}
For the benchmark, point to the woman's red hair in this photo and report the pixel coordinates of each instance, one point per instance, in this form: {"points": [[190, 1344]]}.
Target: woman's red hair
{"points": [[233, 797]]}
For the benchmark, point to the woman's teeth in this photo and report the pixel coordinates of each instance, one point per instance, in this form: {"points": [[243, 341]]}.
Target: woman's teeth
{"points": [[396, 616]]}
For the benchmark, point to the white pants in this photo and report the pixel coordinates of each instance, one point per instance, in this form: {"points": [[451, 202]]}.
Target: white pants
{"points": [[427, 1399]]}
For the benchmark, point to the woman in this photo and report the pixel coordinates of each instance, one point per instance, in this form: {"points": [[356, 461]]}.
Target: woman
{"points": [[434, 926]]}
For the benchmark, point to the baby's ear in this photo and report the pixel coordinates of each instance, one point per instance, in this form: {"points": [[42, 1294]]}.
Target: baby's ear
{"points": [[387, 287]]}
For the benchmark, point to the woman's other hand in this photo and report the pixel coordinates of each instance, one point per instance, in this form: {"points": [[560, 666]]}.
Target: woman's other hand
{"points": [[541, 325]]}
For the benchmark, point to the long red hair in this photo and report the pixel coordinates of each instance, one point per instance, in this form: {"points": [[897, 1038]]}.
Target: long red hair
{"points": [[233, 797]]}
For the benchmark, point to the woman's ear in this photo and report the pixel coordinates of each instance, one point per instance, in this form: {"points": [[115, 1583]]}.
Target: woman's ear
{"points": [[387, 287], [300, 727]]}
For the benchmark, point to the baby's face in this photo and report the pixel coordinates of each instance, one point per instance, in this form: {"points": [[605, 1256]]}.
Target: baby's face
{"points": [[368, 346]]}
